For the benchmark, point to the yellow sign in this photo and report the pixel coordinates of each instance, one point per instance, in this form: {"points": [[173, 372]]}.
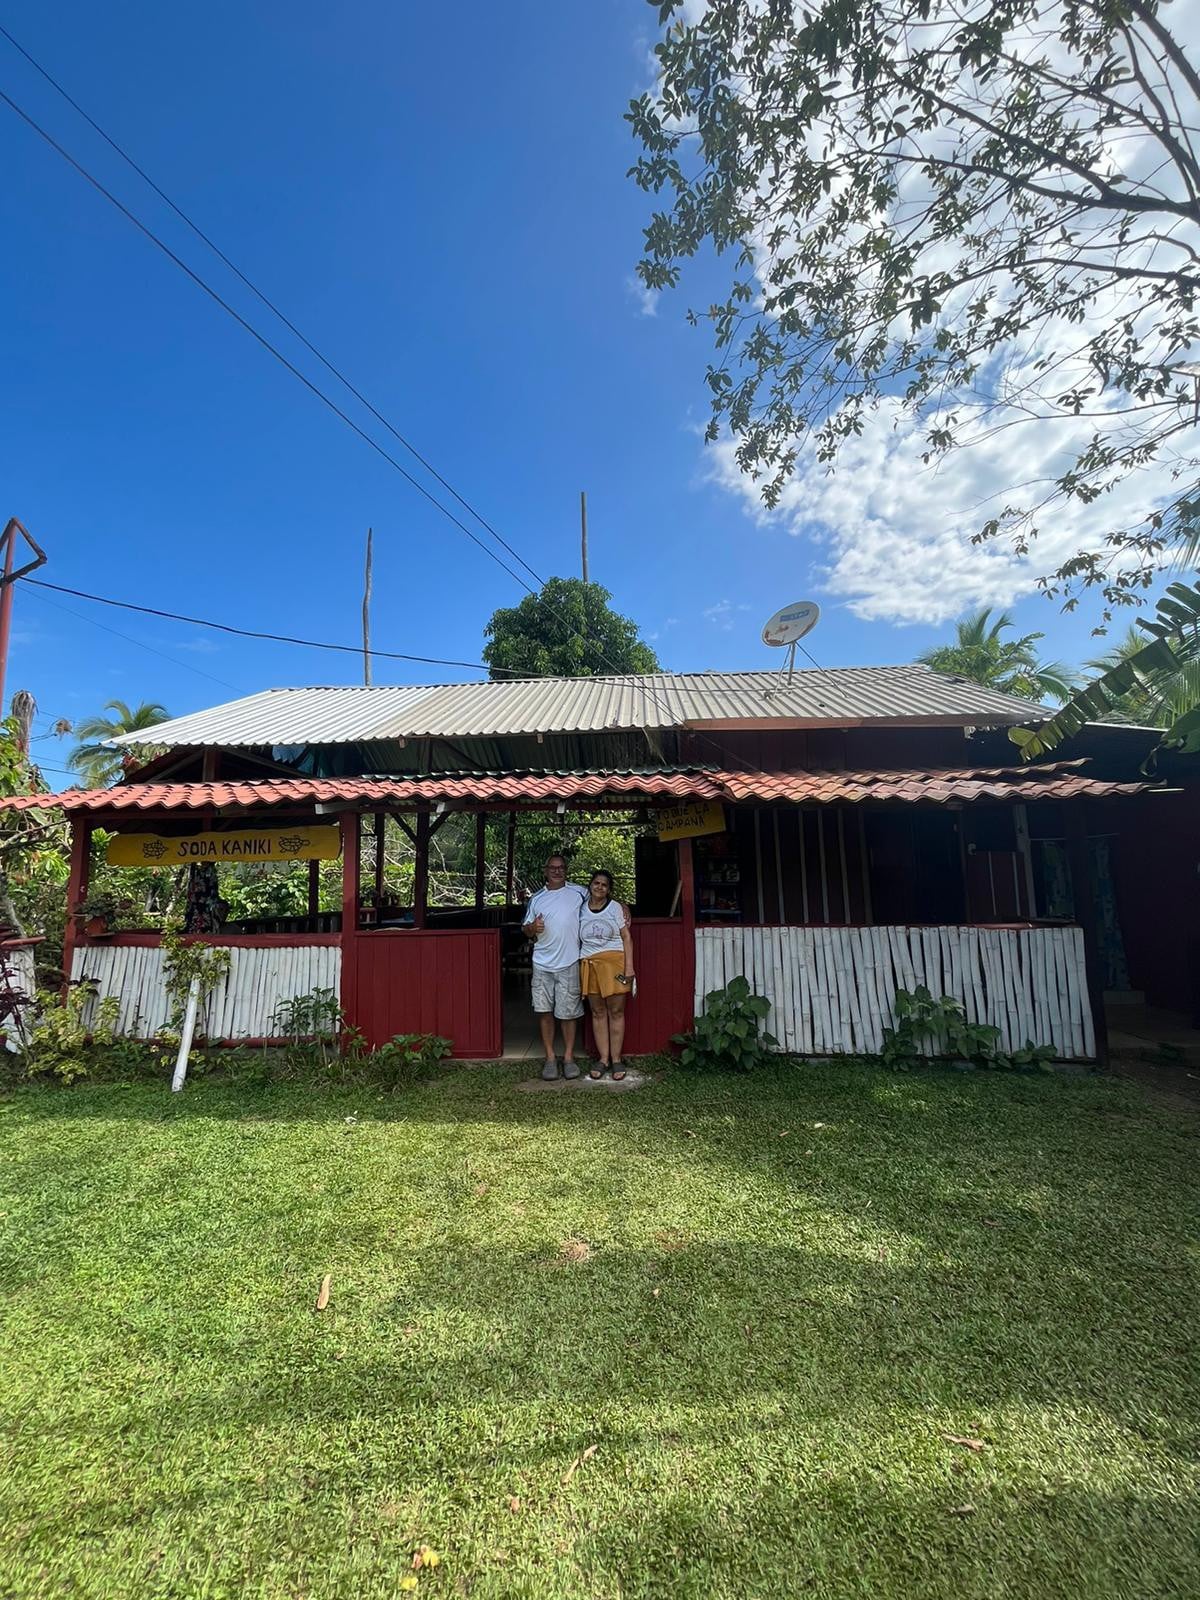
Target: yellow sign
{"points": [[691, 819], [263, 844]]}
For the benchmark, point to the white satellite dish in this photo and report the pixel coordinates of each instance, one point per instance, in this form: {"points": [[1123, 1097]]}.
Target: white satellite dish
{"points": [[788, 626], [791, 623]]}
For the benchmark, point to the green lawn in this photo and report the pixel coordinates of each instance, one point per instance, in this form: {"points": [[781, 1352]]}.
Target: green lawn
{"points": [[765, 1303]]}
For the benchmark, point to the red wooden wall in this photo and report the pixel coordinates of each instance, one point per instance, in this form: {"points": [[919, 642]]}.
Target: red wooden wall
{"points": [[663, 1005], [434, 980]]}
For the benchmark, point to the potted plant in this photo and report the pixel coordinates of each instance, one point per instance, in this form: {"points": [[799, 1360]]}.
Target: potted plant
{"points": [[98, 913]]}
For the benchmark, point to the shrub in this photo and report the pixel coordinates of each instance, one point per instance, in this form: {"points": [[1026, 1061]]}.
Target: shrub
{"points": [[408, 1057], [62, 1038], [729, 1036], [942, 1024]]}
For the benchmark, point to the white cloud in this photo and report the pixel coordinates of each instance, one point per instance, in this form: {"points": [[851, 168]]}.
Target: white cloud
{"points": [[722, 614], [894, 536], [647, 299]]}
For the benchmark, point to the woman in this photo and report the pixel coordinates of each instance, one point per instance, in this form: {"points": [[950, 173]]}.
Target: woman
{"points": [[605, 971]]}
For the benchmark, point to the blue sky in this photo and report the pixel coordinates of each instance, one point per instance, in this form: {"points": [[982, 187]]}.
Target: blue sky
{"points": [[438, 197]]}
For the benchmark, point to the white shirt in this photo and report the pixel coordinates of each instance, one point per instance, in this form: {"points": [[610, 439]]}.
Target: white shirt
{"points": [[601, 930], [558, 944]]}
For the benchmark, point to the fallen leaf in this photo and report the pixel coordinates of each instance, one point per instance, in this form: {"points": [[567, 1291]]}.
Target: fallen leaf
{"points": [[408, 1584], [585, 1455], [656, 1293], [514, 1502], [818, 1124], [425, 1556], [575, 1251], [962, 1511], [339, 1355], [688, 1134], [323, 1295], [968, 1444]]}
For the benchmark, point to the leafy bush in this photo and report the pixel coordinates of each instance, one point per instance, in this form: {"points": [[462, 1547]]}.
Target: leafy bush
{"points": [[63, 1039], [314, 1024], [729, 1036], [408, 1057], [186, 958], [920, 1020]]}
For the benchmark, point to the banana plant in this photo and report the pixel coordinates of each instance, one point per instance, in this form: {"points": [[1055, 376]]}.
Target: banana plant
{"points": [[1159, 669]]}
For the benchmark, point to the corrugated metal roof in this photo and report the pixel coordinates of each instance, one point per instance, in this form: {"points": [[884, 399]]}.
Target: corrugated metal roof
{"points": [[841, 696], [1054, 781]]}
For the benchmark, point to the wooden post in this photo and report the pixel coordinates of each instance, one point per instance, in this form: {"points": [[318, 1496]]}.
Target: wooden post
{"points": [[1086, 917], [480, 852], [380, 840], [510, 858], [687, 908], [350, 841], [366, 612], [77, 884], [421, 872]]}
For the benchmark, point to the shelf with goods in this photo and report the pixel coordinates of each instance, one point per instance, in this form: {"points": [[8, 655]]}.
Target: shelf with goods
{"points": [[718, 879]]}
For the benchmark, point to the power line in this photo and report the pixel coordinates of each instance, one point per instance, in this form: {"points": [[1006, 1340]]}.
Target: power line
{"points": [[269, 303], [307, 382], [249, 633], [259, 337], [91, 621]]}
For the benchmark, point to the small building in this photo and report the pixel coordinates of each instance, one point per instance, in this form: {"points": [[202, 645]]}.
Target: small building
{"points": [[833, 835]]}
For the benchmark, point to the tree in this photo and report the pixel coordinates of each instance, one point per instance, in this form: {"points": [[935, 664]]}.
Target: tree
{"points": [[568, 630], [984, 216], [1010, 665], [91, 758]]}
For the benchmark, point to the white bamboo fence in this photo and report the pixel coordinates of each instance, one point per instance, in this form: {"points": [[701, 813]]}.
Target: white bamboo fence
{"points": [[240, 1007], [831, 989]]}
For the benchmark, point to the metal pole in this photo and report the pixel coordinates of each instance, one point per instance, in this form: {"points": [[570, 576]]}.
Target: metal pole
{"points": [[6, 602], [583, 532]]}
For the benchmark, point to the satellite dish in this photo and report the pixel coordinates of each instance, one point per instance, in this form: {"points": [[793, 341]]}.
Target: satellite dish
{"points": [[791, 623]]}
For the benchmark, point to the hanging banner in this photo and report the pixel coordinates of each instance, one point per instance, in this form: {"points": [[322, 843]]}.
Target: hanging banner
{"points": [[691, 819], [263, 844]]}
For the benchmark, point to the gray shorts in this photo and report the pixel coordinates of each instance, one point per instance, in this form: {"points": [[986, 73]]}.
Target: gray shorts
{"points": [[558, 991]]}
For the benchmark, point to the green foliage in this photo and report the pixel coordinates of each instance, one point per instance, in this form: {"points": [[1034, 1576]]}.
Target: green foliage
{"points": [[63, 1038], [925, 213], [186, 957], [942, 1024], [408, 1057], [92, 759], [1010, 665], [729, 1037], [568, 630], [1162, 675], [315, 1019]]}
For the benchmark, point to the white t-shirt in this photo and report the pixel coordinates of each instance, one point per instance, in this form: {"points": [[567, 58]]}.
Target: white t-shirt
{"points": [[601, 930], [558, 944]]}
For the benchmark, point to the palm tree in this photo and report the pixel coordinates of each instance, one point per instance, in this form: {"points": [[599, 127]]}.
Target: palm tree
{"points": [[91, 758], [1010, 665]]}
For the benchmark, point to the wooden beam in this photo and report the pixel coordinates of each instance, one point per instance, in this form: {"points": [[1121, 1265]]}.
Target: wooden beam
{"points": [[687, 908], [1086, 916], [510, 858], [421, 871], [480, 851], [350, 840], [77, 884]]}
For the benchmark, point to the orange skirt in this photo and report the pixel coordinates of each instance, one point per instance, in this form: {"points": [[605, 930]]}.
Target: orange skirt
{"points": [[603, 974]]}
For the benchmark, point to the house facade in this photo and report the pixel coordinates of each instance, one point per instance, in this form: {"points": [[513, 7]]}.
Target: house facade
{"points": [[833, 835]]}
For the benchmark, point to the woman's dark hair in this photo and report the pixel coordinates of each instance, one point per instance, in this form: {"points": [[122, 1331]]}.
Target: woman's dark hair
{"points": [[603, 872]]}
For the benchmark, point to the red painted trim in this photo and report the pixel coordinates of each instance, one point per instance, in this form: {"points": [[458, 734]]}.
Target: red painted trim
{"points": [[77, 887], [687, 909], [22, 944], [351, 832], [255, 941]]}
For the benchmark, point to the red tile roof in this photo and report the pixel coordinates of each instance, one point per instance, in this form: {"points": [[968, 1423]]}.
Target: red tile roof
{"points": [[1054, 781]]}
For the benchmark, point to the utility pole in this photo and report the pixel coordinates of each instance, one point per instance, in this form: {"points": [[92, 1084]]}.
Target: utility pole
{"points": [[583, 531], [7, 582], [367, 613]]}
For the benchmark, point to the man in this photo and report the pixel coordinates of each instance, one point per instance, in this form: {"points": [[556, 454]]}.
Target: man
{"points": [[552, 922]]}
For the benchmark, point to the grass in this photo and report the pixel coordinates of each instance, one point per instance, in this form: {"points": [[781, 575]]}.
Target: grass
{"points": [[765, 1303]]}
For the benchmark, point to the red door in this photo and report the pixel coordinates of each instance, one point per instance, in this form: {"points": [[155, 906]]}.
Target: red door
{"points": [[663, 1004], [433, 980]]}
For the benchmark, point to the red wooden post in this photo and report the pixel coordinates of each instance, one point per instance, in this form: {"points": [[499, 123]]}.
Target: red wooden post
{"points": [[508, 865], [687, 910], [380, 838], [480, 851], [421, 871], [77, 884], [1085, 915], [350, 838]]}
